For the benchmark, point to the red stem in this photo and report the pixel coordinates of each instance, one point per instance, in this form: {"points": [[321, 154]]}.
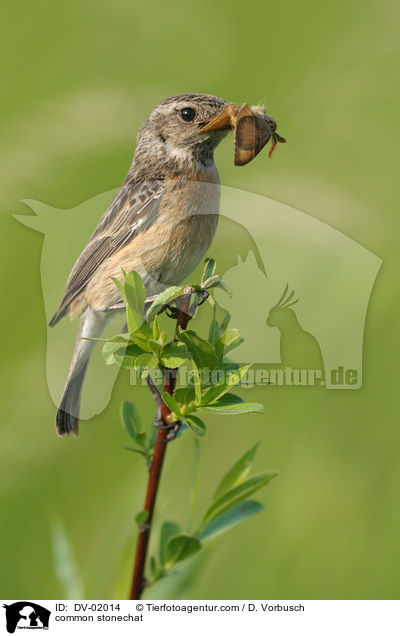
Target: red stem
{"points": [[138, 580]]}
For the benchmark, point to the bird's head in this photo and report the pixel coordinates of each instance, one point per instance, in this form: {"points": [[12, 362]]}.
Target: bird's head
{"points": [[187, 128], [173, 130]]}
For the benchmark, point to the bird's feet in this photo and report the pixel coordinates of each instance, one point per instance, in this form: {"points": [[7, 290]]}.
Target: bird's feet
{"points": [[172, 311], [160, 425], [204, 294]]}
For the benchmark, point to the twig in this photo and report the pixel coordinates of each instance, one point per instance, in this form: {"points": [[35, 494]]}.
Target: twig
{"points": [[138, 581]]}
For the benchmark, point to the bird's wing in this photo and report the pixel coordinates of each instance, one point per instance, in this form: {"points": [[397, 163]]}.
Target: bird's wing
{"points": [[134, 208]]}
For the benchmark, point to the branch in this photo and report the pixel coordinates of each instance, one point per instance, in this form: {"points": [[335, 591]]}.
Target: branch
{"points": [[163, 418]]}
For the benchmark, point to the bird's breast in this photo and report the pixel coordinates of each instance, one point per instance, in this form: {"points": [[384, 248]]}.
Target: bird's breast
{"points": [[188, 216], [172, 245]]}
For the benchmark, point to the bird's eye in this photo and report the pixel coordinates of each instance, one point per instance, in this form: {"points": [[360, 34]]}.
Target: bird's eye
{"points": [[188, 114]]}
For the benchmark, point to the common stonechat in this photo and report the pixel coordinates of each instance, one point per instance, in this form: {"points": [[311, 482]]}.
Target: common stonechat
{"points": [[160, 223]]}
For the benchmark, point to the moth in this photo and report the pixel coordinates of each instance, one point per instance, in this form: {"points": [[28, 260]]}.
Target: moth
{"points": [[253, 128]]}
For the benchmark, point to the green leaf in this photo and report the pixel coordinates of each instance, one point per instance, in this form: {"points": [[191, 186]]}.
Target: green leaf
{"points": [[211, 282], [152, 440], [156, 329], [224, 324], [223, 522], [141, 440], [114, 350], [229, 366], [209, 269], [230, 340], [238, 493], [168, 530], [134, 319], [225, 385], [131, 419], [154, 569], [181, 547], [184, 395], [196, 425], [163, 299], [154, 346], [135, 292], [213, 333], [142, 338], [203, 353], [120, 288], [142, 517], [229, 398], [133, 425], [172, 404], [131, 354], [237, 474], [233, 409], [145, 363], [124, 357], [119, 350], [196, 382], [145, 331], [174, 354]]}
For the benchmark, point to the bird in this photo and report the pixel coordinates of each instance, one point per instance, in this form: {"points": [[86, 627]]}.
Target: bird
{"points": [[160, 223]]}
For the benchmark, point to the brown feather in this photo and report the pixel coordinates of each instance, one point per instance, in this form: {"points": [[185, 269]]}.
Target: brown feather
{"points": [[119, 225]]}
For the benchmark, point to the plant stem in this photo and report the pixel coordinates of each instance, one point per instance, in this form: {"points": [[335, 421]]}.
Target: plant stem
{"points": [[138, 581]]}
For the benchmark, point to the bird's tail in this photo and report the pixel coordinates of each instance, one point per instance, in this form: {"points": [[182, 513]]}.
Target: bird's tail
{"points": [[67, 418]]}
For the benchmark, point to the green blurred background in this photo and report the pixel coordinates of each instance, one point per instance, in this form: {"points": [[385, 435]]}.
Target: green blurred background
{"points": [[80, 78]]}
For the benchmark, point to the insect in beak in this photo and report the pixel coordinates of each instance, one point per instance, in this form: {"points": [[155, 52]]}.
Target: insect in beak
{"points": [[276, 138], [252, 130]]}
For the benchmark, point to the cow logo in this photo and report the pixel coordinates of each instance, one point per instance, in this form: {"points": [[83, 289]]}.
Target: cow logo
{"points": [[26, 615]]}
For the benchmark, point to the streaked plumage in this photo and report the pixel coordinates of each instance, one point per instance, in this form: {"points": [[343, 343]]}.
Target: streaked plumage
{"points": [[161, 222]]}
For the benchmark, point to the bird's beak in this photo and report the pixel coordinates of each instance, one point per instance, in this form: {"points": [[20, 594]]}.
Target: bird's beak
{"points": [[226, 118]]}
